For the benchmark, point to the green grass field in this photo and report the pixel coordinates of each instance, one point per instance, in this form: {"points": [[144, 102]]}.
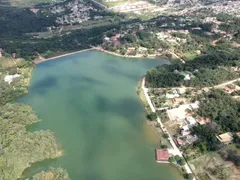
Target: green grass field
{"points": [[27, 3]]}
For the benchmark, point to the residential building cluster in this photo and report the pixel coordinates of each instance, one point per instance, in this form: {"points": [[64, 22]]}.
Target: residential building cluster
{"points": [[74, 12], [229, 7], [180, 108], [168, 36]]}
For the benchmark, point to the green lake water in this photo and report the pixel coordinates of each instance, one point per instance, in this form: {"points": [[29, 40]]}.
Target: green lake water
{"points": [[90, 102]]}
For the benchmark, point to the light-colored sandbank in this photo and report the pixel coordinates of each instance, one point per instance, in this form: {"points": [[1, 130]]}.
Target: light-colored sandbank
{"points": [[124, 56], [38, 61]]}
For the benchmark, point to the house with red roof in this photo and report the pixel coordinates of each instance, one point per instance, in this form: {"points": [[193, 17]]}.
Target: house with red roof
{"points": [[162, 155], [180, 141]]}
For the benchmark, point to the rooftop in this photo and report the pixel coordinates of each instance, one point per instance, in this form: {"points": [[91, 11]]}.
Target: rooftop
{"points": [[162, 155], [225, 138], [179, 141], [238, 134]]}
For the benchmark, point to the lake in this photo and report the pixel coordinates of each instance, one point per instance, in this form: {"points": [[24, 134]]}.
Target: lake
{"points": [[89, 101]]}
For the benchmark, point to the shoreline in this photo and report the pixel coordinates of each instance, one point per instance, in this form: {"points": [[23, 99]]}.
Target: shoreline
{"points": [[59, 56], [97, 49], [123, 56]]}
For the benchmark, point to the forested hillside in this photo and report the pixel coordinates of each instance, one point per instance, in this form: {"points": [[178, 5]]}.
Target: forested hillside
{"points": [[206, 70], [20, 148]]}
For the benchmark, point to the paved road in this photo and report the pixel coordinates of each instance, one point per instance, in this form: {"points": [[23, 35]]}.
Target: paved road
{"points": [[174, 146], [216, 86]]}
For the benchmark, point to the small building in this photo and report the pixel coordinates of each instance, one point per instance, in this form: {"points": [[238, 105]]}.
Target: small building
{"points": [[162, 155], [34, 10], [238, 134], [181, 90], [185, 133], [195, 105], [191, 120], [203, 120], [225, 138], [131, 49], [114, 38], [191, 138], [170, 96], [228, 90], [187, 77], [9, 78], [179, 100], [180, 141], [107, 39], [185, 130]]}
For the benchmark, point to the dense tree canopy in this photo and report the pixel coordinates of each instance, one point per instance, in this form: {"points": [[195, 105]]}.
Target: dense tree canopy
{"points": [[207, 70], [19, 148], [222, 109]]}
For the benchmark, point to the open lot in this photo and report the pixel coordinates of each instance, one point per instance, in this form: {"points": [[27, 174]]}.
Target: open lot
{"points": [[202, 166], [27, 3]]}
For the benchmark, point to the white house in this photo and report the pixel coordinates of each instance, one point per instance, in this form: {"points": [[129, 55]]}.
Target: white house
{"points": [[9, 78]]}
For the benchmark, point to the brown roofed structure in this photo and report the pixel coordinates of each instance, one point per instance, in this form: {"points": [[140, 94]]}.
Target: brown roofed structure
{"points": [[225, 138], [162, 155]]}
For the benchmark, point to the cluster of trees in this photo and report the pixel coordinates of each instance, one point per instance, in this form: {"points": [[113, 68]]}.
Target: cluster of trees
{"points": [[224, 113], [207, 138], [222, 109], [231, 155], [206, 69], [17, 21], [177, 159], [81, 39], [152, 116], [52, 174], [20, 148], [18, 86]]}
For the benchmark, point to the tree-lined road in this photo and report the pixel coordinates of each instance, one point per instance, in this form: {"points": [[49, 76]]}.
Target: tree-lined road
{"points": [[174, 146]]}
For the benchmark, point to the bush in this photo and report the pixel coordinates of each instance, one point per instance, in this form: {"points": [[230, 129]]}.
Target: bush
{"points": [[163, 146], [152, 116], [171, 159], [165, 135], [189, 176]]}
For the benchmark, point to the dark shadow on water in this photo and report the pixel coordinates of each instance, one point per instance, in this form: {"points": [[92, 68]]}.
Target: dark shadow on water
{"points": [[82, 79], [43, 85], [126, 107], [38, 167], [114, 70], [33, 127]]}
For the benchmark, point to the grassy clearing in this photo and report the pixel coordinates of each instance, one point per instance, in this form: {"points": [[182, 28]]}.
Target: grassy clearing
{"points": [[6, 62], [203, 166], [29, 3], [116, 3], [190, 55], [142, 97]]}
